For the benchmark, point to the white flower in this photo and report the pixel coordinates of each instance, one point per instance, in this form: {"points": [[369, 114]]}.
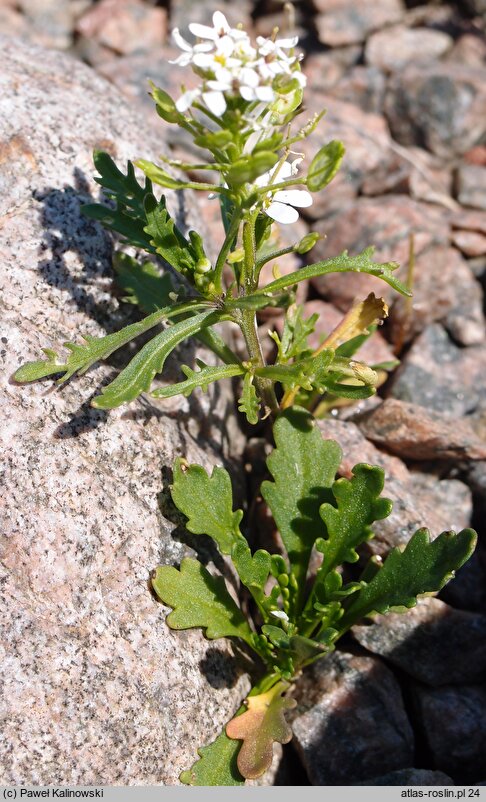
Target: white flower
{"points": [[219, 30], [230, 66], [189, 51], [279, 614], [280, 205], [187, 99]]}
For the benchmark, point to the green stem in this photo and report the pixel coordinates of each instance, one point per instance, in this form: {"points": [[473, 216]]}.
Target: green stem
{"points": [[292, 182], [247, 323], [225, 249], [247, 317]]}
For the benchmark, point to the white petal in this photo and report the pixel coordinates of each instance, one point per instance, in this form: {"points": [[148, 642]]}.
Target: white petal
{"points": [[299, 77], [262, 180], [218, 86], [279, 614], [183, 60], [224, 75], [282, 213], [287, 43], [247, 93], [203, 31], [226, 46], [239, 36], [215, 101], [264, 93], [180, 41], [233, 63], [203, 60], [282, 172], [294, 166], [187, 99], [249, 77], [296, 197], [220, 22]]}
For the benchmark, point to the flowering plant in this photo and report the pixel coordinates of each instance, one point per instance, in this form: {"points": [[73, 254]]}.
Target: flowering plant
{"points": [[242, 113]]}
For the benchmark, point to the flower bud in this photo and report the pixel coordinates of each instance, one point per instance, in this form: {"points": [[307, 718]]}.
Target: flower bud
{"points": [[307, 243]]}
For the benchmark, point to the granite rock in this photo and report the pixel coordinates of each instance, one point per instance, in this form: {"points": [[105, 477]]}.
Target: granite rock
{"points": [[411, 777], [349, 24], [409, 430], [432, 642], [124, 26], [441, 107], [96, 688], [471, 186], [437, 504], [368, 144], [438, 374], [396, 46], [350, 723], [363, 86], [368, 221], [453, 720]]}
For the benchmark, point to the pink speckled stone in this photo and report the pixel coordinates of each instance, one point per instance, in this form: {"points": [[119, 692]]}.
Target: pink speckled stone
{"points": [[96, 688]]}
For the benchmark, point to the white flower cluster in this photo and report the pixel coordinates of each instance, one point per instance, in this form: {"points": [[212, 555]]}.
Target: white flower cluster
{"points": [[279, 204], [231, 66]]}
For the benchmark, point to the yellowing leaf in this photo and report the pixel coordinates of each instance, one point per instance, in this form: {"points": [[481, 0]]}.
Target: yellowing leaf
{"points": [[259, 727], [357, 321]]}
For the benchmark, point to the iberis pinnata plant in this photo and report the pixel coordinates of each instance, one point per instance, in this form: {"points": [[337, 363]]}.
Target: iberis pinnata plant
{"points": [[241, 116]]}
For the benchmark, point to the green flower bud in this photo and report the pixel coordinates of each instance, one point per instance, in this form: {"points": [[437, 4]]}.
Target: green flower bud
{"points": [[307, 243], [203, 265]]}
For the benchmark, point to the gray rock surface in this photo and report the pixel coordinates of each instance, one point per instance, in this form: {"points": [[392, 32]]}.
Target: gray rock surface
{"points": [[96, 689], [350, 723], [437, 504], [442, 106], [432, 642], [454, 724], [439, 375], [411, 777]]}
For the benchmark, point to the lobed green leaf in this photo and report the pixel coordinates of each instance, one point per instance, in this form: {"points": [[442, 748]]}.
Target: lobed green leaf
{"points": [[259, 727], [198, 378], [216, 765], [423, 567], [144, 284], [343, 263], [199, 599], [249, 403], [303, 467], [207, 502], [82, 357], [137, 377]]}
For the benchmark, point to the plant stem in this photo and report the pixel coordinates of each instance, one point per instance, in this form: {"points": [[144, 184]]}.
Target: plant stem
{"points": [[247, 323], [247, 317], [226, 247]]}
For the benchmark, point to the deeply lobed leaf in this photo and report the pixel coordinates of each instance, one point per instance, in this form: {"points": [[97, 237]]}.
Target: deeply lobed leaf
{"points": [[259, 728], [207, 501], [199, 599], [82, 357], [422, 567], [200, 378], [137, 377], [362, 263], [216, 765], [303, 466], [249, 403]]}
